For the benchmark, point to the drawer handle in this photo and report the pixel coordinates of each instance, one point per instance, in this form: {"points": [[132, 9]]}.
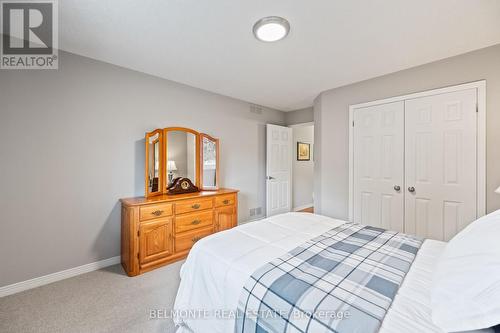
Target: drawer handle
{"points": [[195, 222], [157, 212], [195, 239], [225, 202], [195, 206]]}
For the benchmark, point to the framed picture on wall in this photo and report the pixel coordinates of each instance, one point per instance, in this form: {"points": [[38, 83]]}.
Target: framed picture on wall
{"points": [[303, 151]]}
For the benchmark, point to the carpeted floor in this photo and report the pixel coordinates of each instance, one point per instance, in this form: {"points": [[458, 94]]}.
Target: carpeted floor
{"points": [[102, 301]]}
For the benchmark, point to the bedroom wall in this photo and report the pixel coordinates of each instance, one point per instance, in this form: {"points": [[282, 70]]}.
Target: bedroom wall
{"points": [[299, 116], [331, 114], [72, 144]]}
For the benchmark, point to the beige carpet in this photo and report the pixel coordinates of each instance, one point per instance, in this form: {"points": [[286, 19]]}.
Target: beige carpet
{"points": [[102, 301]]}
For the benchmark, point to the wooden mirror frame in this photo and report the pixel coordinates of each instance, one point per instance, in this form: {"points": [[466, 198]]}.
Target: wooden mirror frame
{"points": [[197, 152], [161, 177], [216, 187], [163, 138]]}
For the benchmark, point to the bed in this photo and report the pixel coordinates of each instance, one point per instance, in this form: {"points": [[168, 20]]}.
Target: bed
{"points": [[217, 268]]}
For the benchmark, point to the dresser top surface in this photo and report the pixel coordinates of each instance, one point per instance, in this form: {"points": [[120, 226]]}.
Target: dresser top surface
{"points": [[137, 201]]}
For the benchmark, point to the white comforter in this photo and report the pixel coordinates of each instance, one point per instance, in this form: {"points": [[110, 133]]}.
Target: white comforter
{"points": [[218, 266]]}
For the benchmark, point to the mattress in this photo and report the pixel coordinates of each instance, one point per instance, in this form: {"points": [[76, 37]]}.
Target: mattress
{"points": [[218, 266]]}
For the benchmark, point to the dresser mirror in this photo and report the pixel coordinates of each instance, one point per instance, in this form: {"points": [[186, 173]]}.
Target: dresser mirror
{"points": [[178, 152], [209, 162], [182, 158], [154, 146]]}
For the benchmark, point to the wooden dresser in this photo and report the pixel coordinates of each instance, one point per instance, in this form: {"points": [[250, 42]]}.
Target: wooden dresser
{"points": [[162, 229]]}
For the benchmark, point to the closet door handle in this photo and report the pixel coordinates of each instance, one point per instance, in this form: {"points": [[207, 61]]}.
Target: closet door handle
{"points": [[411, 189], [397, 188]]}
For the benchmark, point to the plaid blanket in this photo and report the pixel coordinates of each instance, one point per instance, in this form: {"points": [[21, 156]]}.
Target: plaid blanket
{"points": [[342, 281]]}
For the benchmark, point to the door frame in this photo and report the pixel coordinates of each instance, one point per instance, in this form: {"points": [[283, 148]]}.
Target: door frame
{"points": [[293, 126], [481, 136]]}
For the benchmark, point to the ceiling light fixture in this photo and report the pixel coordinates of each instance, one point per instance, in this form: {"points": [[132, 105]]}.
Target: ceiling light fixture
{"points": [[271, 29]]}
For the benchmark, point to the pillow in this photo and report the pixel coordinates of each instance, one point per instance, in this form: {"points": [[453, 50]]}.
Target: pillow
{"points": [[465, 292]]}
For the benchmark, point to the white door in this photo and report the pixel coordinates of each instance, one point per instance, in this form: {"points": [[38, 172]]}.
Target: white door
{"points": [[379, 166], [440, 163], [279, 169]]}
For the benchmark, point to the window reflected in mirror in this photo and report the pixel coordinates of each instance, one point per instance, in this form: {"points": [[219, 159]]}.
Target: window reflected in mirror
{"points": [[181, 156], [209, 163]]}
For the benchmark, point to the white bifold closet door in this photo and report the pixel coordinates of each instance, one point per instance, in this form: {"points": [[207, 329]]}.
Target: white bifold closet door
{"points": [[379, 166], [441, 164], [415, 164]]}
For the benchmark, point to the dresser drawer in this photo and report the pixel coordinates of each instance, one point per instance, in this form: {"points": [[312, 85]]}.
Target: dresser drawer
{"points": [[187, 240], [189, 206], [193, 220], [225, 200], [155, 211]]}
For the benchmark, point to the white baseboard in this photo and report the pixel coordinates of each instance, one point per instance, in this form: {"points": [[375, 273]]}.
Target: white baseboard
{"points": [[296, 209], [58, 276]]}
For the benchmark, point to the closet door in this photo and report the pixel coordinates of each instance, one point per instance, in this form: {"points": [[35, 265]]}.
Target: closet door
{"points": [[379, 166], [440, 164]]}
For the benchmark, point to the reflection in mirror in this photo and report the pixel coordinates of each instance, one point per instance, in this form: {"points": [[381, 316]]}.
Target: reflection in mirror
{"points": [[154, 162], [181, 156], [209, 163]]}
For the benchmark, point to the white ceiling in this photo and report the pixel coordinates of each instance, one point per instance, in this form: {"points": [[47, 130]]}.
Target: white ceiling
{"points": [[209, 44]]}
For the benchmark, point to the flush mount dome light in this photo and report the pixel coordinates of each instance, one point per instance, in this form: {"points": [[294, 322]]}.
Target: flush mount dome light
{"points": [[271, 29]]}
